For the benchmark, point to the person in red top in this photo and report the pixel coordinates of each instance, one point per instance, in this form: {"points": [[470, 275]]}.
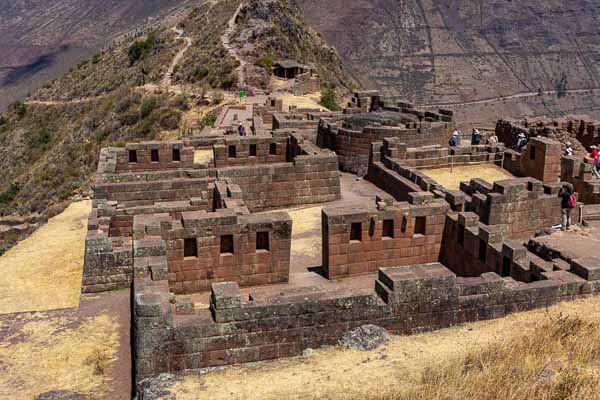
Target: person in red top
{"points": [[594, 155]]}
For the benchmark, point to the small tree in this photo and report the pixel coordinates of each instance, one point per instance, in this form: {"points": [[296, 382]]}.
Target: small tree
{"points": [[266, 61], [328, 99]]}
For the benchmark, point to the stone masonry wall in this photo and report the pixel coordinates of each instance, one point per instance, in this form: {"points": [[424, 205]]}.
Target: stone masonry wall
{"points": [[578, 172], [359, 240], [408, 299], [308, 179], [518, 207], [266, 150], [165, 151], [244, 263], [539, 160]]}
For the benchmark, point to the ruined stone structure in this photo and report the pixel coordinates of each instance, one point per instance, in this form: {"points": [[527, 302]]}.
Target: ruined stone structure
{"points": [[368, 119], [206, 242]]}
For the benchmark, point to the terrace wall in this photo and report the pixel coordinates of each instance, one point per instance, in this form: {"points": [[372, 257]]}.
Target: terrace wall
{"points": [[408, 299]]}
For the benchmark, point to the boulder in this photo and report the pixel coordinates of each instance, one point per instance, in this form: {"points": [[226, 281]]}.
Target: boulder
{"points": [[365, 338]]}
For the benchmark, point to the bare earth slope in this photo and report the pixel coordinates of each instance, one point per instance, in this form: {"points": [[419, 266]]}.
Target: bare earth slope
{"points": [[40, 40], [455, 51]]}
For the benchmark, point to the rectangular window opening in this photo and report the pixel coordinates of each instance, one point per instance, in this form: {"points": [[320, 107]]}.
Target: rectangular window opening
{"points": [[356, 231], [262, 240], [388, 228], [154, 155], [252, 151], [505, 266], [227, 244], [132, 156], [190, 247], [482, 250], [273, 149], [420, 225], [176, 155], [232, 153]]}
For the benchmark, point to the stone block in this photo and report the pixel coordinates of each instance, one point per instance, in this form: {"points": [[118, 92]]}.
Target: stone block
{"points": [[587, 268]]}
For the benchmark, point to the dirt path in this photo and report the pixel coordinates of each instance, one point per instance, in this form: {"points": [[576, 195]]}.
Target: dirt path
{"points": [[509, 97], [167, 80], [226, 40]]}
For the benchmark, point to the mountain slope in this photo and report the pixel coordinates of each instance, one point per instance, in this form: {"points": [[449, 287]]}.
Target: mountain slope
{"points": [[42, 39], [434, 51]]}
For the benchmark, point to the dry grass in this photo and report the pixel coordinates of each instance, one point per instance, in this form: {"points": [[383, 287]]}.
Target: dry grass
{"points": [[50, 353], [306, 101], [534, 355], [452, 180], [43, 272]]}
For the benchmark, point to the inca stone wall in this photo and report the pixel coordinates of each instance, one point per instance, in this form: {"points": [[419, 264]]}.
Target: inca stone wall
{"points": [[359, 240], [406, 300]]}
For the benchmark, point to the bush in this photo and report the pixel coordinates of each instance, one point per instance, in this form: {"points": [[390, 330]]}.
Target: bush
{"points": [[180, 101], [328, 99], [169, 119], [9, 194], [18, 108], [147, 106], [209, 119], [200, 73], [266, 61], [217, 97], [141, 48]]}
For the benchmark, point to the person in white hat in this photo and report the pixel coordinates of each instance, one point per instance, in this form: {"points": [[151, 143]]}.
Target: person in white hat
{"points": [[241, 130], [521, 141], [454, 139], [568, 150], [476, 137]]}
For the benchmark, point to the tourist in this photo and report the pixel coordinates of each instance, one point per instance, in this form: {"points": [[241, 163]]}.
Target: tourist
{"points": [[521, 142], [454, 139], [568, 202], [242, 130], [596, 161], [476, 137], [569, 150], [493, 139]]}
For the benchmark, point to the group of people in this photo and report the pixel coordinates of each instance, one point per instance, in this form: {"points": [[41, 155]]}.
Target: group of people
{"points": [[475, 138], [593, 154]]}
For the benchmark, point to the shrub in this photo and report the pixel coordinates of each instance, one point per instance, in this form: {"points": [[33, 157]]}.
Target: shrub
{"points": [[209, 119], [217, 97], [180, 101], [141, 48], [9, 194], [169, 119], [266, 61], [18, 108], [328, 99], [147, 106]]}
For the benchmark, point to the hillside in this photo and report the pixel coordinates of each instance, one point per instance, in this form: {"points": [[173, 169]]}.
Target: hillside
{"points": [[457, 51], [49, 144], [42, 39]]}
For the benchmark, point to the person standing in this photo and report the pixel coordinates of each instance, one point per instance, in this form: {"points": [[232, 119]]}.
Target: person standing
{"points": [[568, 150], [454, 139], [568, 203], [493, 139], [476, 137], [594, 156], [242, 130]]}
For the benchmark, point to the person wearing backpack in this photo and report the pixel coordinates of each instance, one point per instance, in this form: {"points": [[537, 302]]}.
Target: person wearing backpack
{"points": [[568, 203], [594, 156]]}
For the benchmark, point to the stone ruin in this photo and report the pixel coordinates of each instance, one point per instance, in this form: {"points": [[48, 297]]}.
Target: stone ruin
{"points": [[205, 243]]}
